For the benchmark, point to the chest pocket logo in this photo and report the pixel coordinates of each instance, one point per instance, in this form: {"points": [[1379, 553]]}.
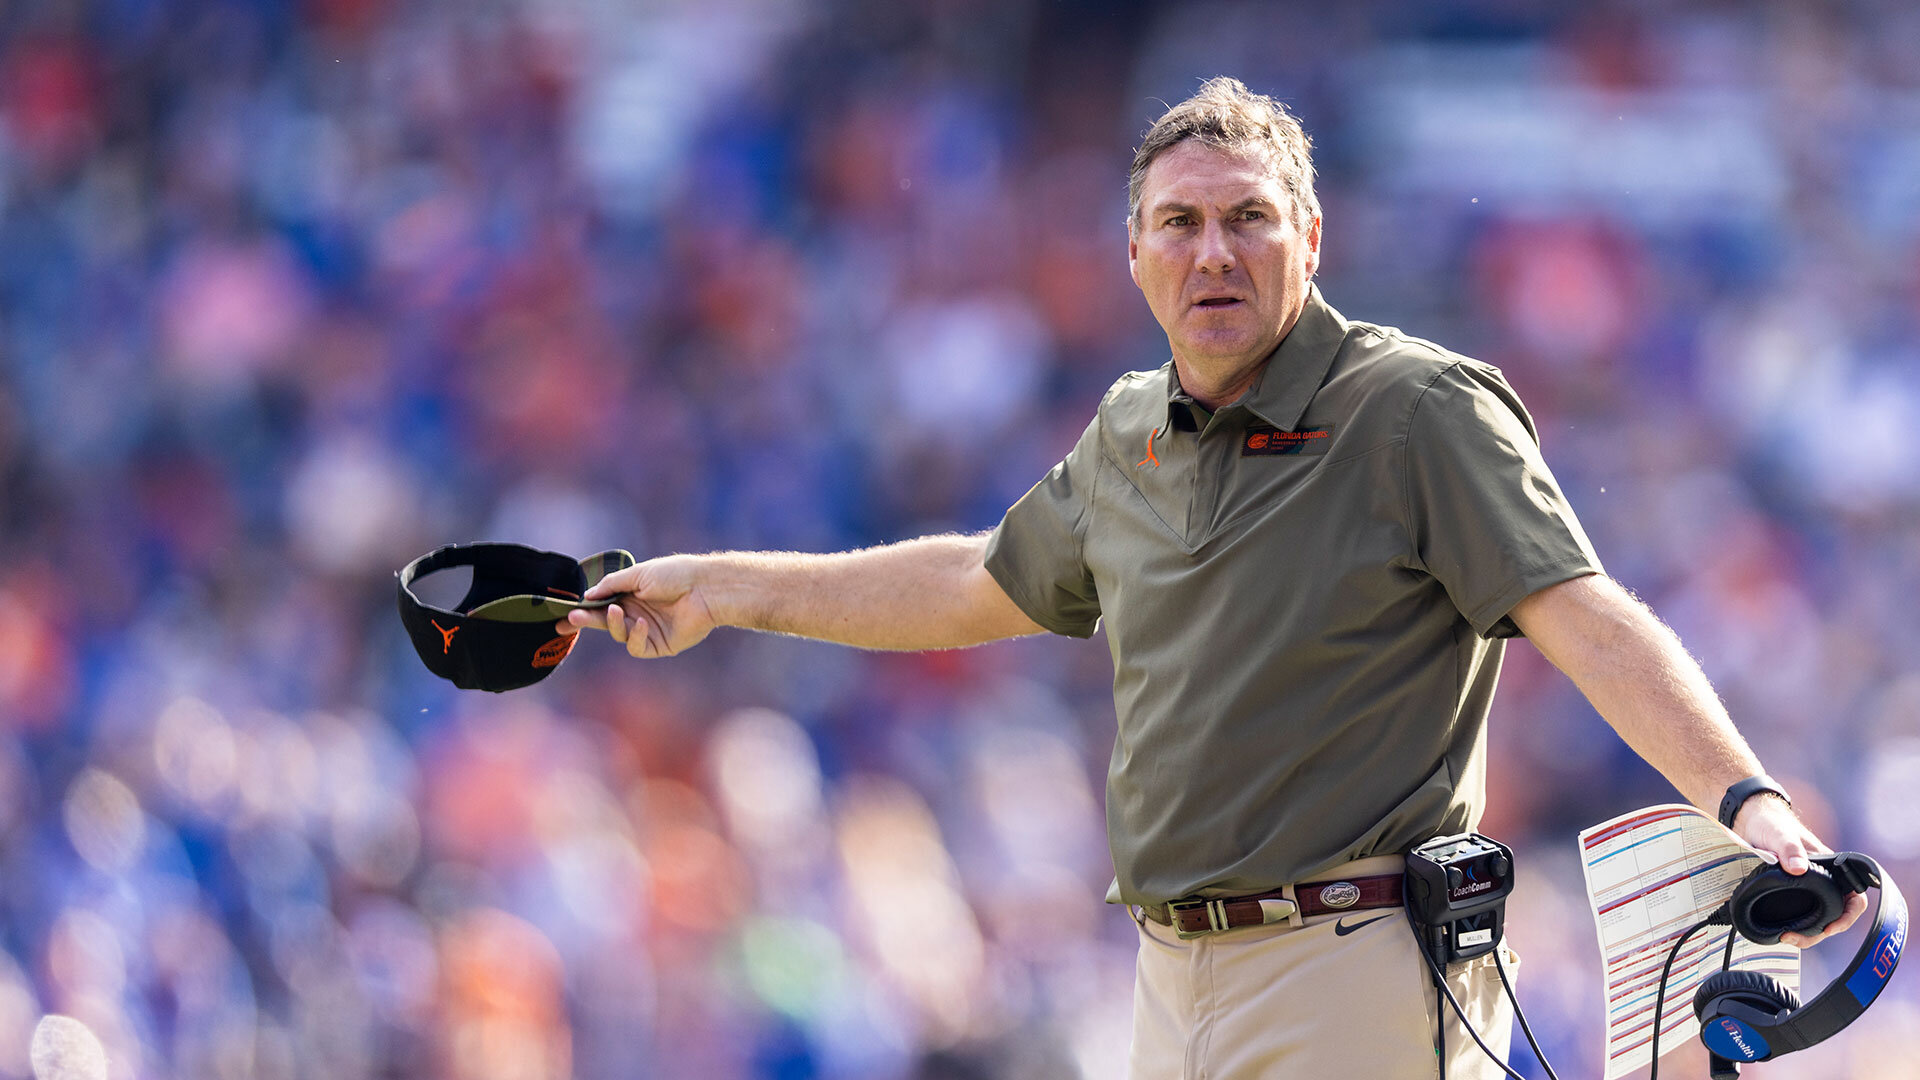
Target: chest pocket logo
{"points": [[1149, 459], [1272, 442]]}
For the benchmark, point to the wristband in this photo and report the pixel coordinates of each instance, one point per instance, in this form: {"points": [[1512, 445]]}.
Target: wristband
{"points": [[1738, 794]]}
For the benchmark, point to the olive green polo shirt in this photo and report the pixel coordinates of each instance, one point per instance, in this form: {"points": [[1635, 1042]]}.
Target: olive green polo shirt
{"points": [[1303, 594]]}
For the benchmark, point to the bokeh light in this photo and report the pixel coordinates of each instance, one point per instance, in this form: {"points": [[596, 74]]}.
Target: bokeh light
{"points": [[63, 1049], [104, 820]]}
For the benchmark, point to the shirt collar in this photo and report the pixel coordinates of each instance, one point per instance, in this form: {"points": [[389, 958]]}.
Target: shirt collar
{"points": [[1294, 371]]}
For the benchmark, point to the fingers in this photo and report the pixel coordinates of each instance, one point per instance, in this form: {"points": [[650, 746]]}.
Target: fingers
{"points": [[619, 581], [638, 623], [1856, 907], [634, 630], [1772, 827], [638, 634], [1793, 855], [629, 629], [581, 619]]}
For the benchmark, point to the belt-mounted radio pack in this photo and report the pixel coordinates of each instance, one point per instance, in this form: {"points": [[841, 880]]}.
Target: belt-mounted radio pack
{"points": [[1457, 888], [1456, 896]]}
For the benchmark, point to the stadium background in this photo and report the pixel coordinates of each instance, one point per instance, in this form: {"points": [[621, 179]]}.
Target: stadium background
{"points": [[290, 293]]}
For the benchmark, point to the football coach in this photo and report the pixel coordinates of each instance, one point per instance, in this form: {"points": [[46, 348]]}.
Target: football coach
{"points": [[1308, 538]]}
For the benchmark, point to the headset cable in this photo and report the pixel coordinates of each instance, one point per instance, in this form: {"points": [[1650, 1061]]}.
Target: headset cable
{"points": [[1440, 981]]}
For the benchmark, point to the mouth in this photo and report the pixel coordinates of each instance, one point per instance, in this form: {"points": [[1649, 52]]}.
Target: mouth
{"points": [[1216, 302]]}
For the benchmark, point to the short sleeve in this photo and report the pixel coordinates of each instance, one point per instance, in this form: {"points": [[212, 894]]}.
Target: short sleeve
{"points": [[1487, 518], [1038, 554]]}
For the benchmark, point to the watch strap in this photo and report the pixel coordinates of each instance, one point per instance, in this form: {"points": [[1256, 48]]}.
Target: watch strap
{"points": [[1739, 793]]}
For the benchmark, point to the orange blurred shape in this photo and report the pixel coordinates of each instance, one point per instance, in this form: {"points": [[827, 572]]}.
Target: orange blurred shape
{"points": [[49, 92], [1565, 287], [480, 804], [36, 663], [352, 17], [1073, 283], [855, 163], [752, 304], [699, 880], [503, 983], [531, 363], [947, 669]]}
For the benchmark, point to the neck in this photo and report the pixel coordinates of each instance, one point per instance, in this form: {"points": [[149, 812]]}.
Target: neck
{"points": [[1214, 394]]}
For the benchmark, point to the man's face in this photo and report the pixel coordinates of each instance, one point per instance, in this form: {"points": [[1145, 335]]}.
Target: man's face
{"points": [[1219, 259]]}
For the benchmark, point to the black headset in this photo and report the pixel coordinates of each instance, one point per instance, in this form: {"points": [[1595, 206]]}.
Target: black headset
{"points": [[1747, 1016]]}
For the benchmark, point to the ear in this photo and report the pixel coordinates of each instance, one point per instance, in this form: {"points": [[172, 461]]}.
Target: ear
{"points": [[1313, 247], [1133, 253]]}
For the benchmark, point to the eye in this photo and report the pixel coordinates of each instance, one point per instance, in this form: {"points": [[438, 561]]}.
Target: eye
{"points": [[1253, 215], [1178, 219]]}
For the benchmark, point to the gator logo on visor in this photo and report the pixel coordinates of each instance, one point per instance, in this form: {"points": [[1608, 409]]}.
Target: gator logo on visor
{"points": [[550, 654], [1340, 894]]}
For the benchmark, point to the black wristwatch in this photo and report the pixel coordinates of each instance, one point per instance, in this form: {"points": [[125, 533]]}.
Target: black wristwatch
{"points": [[1738, 794]]}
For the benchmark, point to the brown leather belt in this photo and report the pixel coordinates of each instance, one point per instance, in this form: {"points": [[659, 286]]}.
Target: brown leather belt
{"points": [[1194, 917]]}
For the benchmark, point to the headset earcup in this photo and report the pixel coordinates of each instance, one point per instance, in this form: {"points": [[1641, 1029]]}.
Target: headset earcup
{"points": [[1752, 988], [1771, 902]]}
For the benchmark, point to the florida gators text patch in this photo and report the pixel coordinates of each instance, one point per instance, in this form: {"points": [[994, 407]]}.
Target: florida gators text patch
{"points": [[1267, 442]]}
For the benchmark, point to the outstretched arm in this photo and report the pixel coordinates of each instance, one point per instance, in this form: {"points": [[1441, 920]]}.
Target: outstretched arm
{"points": [[929, 593], [1636, 673]]}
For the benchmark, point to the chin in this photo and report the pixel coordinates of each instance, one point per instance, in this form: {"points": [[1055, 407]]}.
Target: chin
{"points": [[1229, 347]]}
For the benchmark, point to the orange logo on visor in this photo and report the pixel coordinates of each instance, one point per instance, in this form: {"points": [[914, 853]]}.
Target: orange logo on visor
{"points": [[555, 651], [446, 637]]}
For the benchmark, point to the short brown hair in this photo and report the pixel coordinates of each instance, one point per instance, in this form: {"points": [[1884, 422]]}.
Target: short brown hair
{"points": [[1225, 115]]}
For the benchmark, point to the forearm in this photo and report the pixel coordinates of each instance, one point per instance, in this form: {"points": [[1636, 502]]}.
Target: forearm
{"points": [[929, 593], [1635, 672], [1639, 677]]}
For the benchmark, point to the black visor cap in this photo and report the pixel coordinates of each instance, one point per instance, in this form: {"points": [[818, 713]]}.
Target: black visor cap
{"points": [[501, 635]]}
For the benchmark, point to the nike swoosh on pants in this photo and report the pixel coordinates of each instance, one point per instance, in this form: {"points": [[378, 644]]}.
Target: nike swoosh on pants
{"points": [[1342, 928]]}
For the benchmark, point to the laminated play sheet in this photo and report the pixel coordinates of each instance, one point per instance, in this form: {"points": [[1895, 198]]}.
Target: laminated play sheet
{"points": [[1651, 875]]}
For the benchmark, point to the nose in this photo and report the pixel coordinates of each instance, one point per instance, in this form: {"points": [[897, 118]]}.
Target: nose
{"points": [[1215, 255]]}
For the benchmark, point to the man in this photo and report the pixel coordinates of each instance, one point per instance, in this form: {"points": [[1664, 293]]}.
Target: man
{"points": [[1306, 538]]}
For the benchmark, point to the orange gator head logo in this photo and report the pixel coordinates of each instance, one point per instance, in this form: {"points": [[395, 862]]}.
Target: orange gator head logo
{"points": [[1149, 459], [446, 637], [554, 651]]}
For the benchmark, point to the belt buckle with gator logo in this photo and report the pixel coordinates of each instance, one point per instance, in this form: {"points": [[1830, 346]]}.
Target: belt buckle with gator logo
{"points": [[1340, 894], [1262, 441]]}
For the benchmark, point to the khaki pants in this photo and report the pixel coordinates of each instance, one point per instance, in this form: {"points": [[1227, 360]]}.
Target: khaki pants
{"points": [[1275, 1001]]}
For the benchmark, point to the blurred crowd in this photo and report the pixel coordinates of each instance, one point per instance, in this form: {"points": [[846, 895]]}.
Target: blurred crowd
{"points": [[291, 293]]}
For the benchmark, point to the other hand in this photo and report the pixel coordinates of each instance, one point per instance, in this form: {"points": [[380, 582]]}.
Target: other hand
{"points": [[1771, 825], [657, 610]]}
